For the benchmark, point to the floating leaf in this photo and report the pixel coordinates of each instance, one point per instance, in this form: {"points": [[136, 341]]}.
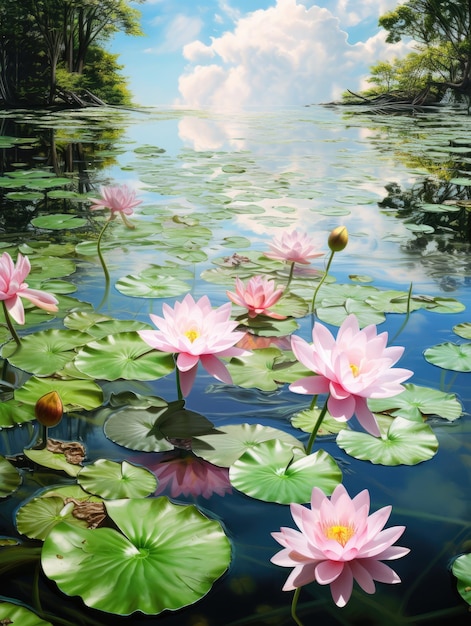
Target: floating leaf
{"points": [[109, 479], [14, 614], [37, 518], [53, 460], [461, 568], [58, 221], [10, 479], [264, 369], [463, 330], [123, 355], [75, 394], [306, 420], [229, 443], [450, 356], [273, 471], [154, 287], [163, 556], [405, 443], [133, 429], [415, 403], [45, 352]]}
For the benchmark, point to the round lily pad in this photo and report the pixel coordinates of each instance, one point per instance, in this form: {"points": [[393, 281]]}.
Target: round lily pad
{"points": [[162, 556], [405, 443], [14, 614], [109, 479], [133, 429], [123, 355], [231, 442], [275, 472], [75, 394], [450, 356], [462, 570], [155, 287], [58, 221], [10, 478]]}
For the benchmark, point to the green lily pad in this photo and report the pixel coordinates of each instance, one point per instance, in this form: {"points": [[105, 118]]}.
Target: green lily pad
{"points": [[275, 472], [450, 356], [229, 443], [13, 412], [84, 320], [58, 221], [461, 568], [14, 614], [264, 369], [10, 478], [415, 403], [405, 443], [53, 460], [123, 355], [133, 429], [155, 287], [463, 330], [109, 479], [163, 556], [19, 196], [335, 313], [47, 183], [75, 394], [306, 421], [45, 352], [37, 518]]}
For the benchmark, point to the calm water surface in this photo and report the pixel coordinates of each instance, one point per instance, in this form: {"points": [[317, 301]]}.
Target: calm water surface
{"points": [[253, 175]]}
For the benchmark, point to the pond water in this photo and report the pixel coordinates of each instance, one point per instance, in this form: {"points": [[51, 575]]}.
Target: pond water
{"points": [[216, 189]]}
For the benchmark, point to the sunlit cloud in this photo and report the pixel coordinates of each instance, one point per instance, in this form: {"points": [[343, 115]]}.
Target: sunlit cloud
{"points": [[181, 30], [290, 53]]}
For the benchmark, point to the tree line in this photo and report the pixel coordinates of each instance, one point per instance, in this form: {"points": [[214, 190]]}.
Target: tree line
{"points": [[54, 50], [441, 62]]}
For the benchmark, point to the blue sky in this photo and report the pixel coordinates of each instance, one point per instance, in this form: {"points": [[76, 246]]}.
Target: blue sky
{"points": [[234, 53]]}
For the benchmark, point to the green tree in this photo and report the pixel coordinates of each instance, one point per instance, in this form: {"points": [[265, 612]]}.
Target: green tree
{"points": [[442, 30]]}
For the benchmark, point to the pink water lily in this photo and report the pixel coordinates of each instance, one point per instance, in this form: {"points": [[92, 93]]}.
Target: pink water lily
{"points": [[196, 333], [339, 542], [293, 247], [13, 288], [352, 368], [120, 199], [257, 296]]}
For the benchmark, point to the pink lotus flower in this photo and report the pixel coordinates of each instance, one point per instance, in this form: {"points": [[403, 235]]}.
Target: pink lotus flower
{"points": [[119, 199], [293, 247], [197, 333], [13, 288], [189, 475], [338, 542], [356, 366], [257, 297]]}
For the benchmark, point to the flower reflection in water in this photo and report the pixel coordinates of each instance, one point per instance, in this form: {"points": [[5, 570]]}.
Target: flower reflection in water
{"points": [[183, 473]]}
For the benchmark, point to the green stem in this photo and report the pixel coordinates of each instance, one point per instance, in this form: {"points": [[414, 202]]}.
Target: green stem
{"points": [[10, 325], [294, 604], [315, 430], [179, 389], [290, 277], [404, 323], [321, 282], [100, 255]]}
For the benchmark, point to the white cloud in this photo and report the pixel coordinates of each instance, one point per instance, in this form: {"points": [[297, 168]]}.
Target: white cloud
{"points": [[287, 54], [181, 30]]}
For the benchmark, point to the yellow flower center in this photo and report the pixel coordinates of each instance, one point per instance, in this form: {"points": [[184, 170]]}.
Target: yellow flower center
{"points": [[339, 533], [355, 369], [192, 334]]}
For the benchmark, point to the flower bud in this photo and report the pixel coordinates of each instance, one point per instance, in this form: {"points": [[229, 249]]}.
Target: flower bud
{"points": [[338, 239], [49, 409]]}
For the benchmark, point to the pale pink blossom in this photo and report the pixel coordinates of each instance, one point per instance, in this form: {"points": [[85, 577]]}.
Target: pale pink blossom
{"points": [[258, 296], [352, 368], [13, 288], [339, 542], [293, 247], [189, 475], [196, 333], [118, 198]]}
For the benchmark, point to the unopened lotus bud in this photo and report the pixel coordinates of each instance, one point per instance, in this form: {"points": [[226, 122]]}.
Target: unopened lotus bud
{"points": [[338, 239], [49, 409]]}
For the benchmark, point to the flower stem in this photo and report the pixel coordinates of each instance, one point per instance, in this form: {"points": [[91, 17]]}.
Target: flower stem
{"points": [[100, 255], [179, 389], [406, 319], [321, 282], [294, 604], [315, 430], [11, 328], [290, 277]]}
